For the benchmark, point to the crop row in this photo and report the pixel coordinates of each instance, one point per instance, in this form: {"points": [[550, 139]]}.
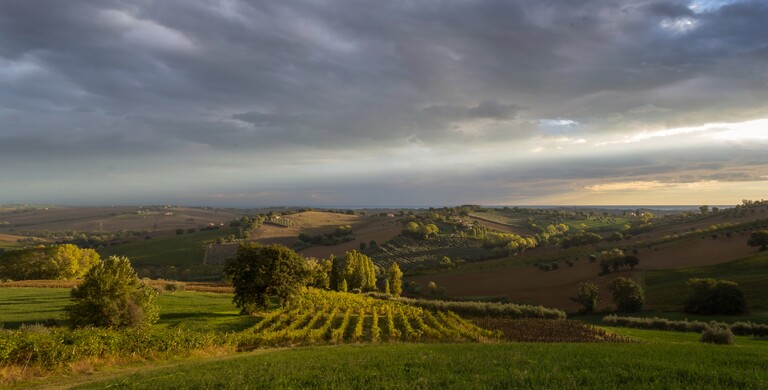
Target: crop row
{"points": [[321, 317]]}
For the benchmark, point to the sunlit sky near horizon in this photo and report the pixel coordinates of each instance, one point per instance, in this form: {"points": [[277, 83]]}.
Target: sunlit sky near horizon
{"points": [[358, 102]]}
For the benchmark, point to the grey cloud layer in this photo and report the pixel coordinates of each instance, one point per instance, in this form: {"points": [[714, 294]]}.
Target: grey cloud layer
{"points": [[82, 81]]}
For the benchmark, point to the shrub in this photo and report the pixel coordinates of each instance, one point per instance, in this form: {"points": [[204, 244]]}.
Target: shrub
{"points": [[710, 296], [112, 296], [717, 335], [174, 286]]}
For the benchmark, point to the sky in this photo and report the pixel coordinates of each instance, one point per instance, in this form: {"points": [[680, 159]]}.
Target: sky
{"points": [[383, 103]]}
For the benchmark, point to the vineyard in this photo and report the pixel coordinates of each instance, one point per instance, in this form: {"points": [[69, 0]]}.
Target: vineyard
{"points": [[412, 254], [323, 317]]}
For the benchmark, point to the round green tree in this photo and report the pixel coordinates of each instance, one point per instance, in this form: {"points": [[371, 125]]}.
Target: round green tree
{"points": [[112, 296], [259, 271], [627, 294], [588, 296], [759, 238]]}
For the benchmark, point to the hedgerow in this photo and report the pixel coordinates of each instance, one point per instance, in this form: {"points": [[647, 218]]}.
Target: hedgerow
{"points": [[53, 348], [487, 309], [655, 323]]}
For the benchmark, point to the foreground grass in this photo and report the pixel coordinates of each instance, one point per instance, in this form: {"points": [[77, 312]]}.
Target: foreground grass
{"points": [[667, 360], [667, 289]]}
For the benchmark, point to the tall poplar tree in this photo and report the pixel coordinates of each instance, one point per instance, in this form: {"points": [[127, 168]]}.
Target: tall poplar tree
{"points": [[395, 279]]}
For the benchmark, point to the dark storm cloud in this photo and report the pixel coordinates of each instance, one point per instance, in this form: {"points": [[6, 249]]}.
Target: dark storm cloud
{"points": [[87, 80]]}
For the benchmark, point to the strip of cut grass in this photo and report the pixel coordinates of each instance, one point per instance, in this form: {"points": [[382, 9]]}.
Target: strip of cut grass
{"points": [[667, 289], [194, 310], [672, 360], [25, 305]]}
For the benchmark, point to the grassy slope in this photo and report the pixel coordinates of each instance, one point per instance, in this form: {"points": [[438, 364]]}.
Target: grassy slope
{"points": [[666, 289], [183, 249], [31, 305], [195, 310], [667, 360]]}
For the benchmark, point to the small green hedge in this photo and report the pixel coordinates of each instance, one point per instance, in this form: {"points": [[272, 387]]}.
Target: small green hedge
{"points": [[655, 323], [51, 348]]}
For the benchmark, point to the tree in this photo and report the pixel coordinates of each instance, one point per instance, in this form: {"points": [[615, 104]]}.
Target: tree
{"points": [[627, 294], [588, 296], [112, 296], [335, 277], [613, 258], [704, 209], [631, 261], [430, 230], [64, 261], [411, 229], [319, 272], [759, 238], [259, 271], [395, 279], [710, 296], [359, 271], [432, 286]]}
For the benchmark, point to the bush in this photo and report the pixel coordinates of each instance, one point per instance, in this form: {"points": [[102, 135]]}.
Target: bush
{"points": [[710, 296], [717, 335], [175, 286], [112, 296]]}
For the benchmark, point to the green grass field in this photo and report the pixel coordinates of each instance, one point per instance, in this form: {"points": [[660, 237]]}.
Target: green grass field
{"points": [[664, 360], [658, 360], [194, 310], [667, 290], [183, 249], [31, 305]]}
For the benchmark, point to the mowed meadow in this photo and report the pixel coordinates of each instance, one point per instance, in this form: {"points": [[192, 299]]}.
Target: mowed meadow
{"points": [[487, 301]]}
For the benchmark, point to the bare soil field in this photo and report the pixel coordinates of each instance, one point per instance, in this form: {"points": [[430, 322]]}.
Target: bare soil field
{"points": [[554, 289], [503, 228], [10, 237], [113, 219], [704, 223], [364, 229]]}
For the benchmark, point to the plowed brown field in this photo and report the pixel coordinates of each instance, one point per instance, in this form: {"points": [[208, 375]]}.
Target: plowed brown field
{"points": [[527, 284]]}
